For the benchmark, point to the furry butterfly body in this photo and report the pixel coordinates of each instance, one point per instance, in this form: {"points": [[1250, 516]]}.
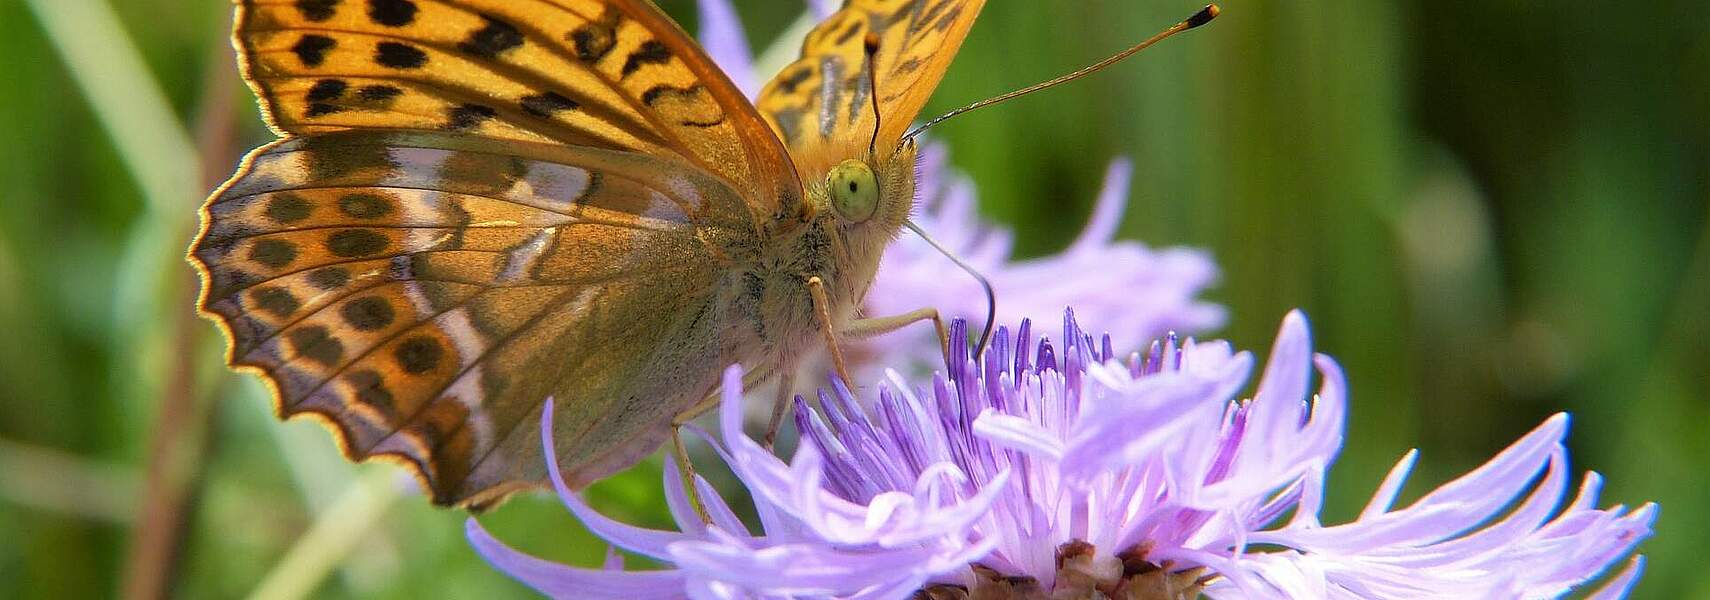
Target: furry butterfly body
{"points": [[478, 205]]}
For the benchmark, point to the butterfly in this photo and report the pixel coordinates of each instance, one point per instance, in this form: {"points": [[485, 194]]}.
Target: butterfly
{"points": [[477, 205]]}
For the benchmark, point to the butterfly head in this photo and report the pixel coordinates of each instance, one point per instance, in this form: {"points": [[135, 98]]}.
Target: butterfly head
{"points": [[869, 193]]}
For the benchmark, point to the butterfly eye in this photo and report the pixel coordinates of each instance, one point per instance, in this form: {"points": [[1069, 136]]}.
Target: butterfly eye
{"points": [[854, 190]]}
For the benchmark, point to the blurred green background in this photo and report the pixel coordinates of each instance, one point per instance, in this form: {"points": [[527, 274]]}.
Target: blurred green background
{"points": [[1493, 210]]}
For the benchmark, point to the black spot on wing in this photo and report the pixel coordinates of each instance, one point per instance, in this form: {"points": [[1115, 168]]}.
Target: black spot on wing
{"points": [[285, 208], [378, 94], [392, 13], [362, 205], [398, 55], [321, 109], [329, 278], [312, 49], [545, 105], [664, 91], [369, 313], [468, 116], [327, 89], [492, 40], [370, 389], [651, 52], [225, 281], [418, 354], [316, 344], [275, 300], [274, 253], [322, 95], [351, 243], [595, 39], [317, 11]]}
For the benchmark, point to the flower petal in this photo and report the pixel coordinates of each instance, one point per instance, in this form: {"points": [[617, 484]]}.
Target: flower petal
{"points": [[640, 540], [1107, 210], [559, 581], [721, 36], [1618, 587]]}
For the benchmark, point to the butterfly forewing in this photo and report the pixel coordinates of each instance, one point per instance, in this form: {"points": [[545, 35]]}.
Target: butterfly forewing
{"points": [[821, 104], [609, 73]]}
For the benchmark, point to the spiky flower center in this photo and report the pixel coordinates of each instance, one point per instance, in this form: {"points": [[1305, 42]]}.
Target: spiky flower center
{"points": [[1082, 574]]}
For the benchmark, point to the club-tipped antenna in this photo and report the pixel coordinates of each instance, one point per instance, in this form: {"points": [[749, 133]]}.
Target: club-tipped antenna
{"points": [[870, 45], [991, 296], [1205, 15]]}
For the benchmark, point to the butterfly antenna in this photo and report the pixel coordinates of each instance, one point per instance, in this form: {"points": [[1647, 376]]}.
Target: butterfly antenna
{"points": [[1205, 15], [870, 45], [991, 297]]}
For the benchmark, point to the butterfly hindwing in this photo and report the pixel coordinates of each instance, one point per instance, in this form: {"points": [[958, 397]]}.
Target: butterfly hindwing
{"points": [[820, 104], [424, 293], [614, 74]]}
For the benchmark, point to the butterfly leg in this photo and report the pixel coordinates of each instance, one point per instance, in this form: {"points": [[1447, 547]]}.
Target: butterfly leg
{"points": [[822, 307], [680, 451], [780, 405], [686, 470], [869, 327]]}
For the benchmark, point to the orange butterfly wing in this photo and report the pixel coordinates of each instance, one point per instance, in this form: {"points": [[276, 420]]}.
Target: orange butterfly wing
{"points": [[820, 104], [477, 205], [614, 74]]}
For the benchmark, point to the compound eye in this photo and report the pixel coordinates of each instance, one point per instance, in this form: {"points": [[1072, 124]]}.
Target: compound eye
{"points": [[854, 190]]}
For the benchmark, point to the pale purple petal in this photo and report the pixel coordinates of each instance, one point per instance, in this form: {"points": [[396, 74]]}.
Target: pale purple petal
{"points": [[823, 8], [799, 569], [722, 37], [1017, 433], [1384, 499], [559, 581], [1107, 212], [647, 542], [1622, 584]]}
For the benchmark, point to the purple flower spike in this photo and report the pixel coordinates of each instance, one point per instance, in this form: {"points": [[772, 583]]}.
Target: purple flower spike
{"points": [[1079, 476]]}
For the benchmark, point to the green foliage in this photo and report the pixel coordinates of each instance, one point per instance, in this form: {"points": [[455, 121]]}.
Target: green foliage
{"points": [[1491, 210]]}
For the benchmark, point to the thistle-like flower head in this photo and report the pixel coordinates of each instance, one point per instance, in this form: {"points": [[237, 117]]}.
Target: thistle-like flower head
{"points": [[1056, 469]]}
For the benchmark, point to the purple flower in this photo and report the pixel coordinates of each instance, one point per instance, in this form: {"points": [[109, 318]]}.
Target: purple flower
{"points": [[1058, 468], [1142, 293]]}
